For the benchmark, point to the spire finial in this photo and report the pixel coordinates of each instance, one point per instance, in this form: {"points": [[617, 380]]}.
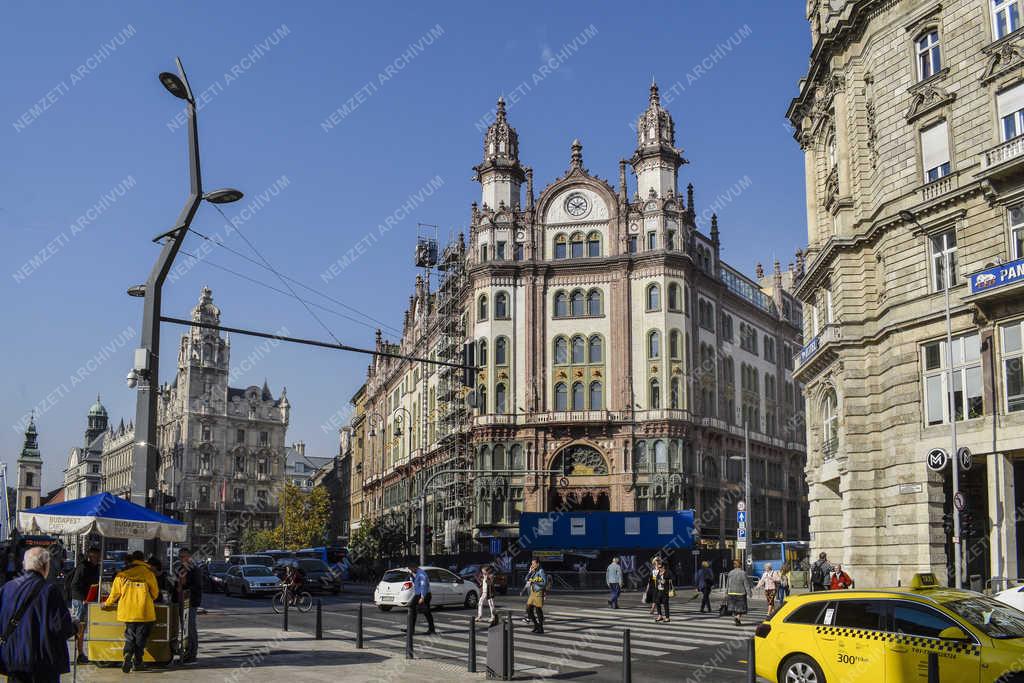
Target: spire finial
{"points": [[655, 99], [577, 153], [501, 108]]}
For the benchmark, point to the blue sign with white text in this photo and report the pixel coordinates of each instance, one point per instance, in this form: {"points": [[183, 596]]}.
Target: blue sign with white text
{"points": [[997, 276], [741, 517]]}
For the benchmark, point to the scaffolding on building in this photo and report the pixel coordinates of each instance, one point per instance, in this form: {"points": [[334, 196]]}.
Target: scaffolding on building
{"points": [[449, 510]]}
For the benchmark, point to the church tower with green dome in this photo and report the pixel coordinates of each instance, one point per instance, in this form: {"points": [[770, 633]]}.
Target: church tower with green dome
{"points": [[30, 470]]}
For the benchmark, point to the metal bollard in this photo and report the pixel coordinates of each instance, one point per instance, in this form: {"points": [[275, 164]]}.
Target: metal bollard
{"points": [[471, 664], [319, 620], [359, 628], [286, 601], [751, 661], [933, 667], [408, 633], [627, 659]]}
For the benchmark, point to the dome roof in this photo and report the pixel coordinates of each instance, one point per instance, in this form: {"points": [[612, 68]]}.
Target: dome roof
{"points": [[97, 408]]}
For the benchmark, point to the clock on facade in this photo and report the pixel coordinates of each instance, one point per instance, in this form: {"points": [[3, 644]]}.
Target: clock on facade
{"points": [[576, 205]]}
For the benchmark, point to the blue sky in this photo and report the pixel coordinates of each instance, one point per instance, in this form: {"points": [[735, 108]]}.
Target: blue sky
{"points": [[94, 164]]}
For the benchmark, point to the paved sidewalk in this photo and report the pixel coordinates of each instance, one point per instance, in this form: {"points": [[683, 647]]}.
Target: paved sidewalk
{"points": [[258, 655]]}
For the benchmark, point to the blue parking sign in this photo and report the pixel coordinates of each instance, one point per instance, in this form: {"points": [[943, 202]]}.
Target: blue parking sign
{"points": [[741, 534]]}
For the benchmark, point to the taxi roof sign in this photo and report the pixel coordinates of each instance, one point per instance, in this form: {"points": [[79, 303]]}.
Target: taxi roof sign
{"points": [[924, 580]]}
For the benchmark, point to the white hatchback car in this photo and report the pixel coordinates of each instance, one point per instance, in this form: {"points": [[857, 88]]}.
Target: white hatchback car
{"points": [[395, 589]]}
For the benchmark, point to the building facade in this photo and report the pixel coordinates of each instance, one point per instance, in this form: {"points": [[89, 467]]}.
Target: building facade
{"points": [[82, 476], [116, 460], [222, 448], [300, 469], [910, 120], [28, 492], [619, 358]]}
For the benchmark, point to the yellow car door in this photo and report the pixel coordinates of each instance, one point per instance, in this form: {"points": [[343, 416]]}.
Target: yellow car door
{"points": [[917, 631], [850, 640]]}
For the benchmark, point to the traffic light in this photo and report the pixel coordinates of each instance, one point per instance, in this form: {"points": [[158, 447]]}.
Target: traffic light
{"points": [[947, 523], [967, 529], [469, 364], [430, 535]]}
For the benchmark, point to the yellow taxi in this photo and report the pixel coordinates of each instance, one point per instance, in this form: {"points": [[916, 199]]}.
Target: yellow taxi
{"points": [[925, 633]]}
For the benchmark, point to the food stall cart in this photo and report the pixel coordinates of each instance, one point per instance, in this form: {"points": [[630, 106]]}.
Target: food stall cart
{"points": [[113, 517]]}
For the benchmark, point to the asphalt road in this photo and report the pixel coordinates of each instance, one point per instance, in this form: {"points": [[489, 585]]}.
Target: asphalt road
{"points": [[583, 638]]}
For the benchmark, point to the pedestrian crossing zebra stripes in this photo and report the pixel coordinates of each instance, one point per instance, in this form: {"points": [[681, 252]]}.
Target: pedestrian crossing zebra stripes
{"points": [[587, 638]]}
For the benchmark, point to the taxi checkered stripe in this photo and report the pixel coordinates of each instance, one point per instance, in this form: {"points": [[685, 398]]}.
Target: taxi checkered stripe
{"points": [[914, 641]]}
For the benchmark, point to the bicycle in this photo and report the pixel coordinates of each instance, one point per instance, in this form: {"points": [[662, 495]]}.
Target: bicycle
{"points": [[301, 601]]}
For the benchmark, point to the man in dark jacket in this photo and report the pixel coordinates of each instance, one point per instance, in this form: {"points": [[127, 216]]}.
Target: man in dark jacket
{"points": [[190, 599], [36, 651], [85, 575]]}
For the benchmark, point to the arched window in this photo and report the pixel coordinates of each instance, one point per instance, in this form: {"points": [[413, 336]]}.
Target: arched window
{"points": [[929, 55], [579, 350], [640, 461], [561, 396], [483, 460], [673, 297], [595, 349], [576, 245], [653, 298], [481, 393], [560, 246], [673, 344], [561, 305], [517, 458], [482, 346], [577, 396], [830, 423], [481, 308], [655, 394], [498, 457], [561, 350], [660, 457], [501, 306], [676, 394], [594, 302], [577, 304], [499, 398], [594, 244], [596, 396], [654, 344], [501, 351]]}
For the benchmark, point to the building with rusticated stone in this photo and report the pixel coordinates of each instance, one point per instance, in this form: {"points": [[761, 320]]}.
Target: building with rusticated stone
{"points": [[910, 119], [619, 357]]}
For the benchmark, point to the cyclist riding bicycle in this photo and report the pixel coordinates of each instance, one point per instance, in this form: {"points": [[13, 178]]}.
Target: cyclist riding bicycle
{"points": [[293, 581]]}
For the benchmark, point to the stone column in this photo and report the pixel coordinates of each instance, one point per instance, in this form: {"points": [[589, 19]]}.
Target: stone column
{"points": [[1001, 505], [811, 191]]}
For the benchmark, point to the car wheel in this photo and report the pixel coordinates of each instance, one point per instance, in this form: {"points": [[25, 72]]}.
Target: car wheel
{"points": [[245, 591], [471, 599], [1016, 677], [385, 608], [227, 590], [800, 669]]}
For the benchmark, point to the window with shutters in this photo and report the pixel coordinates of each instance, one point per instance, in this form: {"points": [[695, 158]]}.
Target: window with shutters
{"points": [[935, 152], [1010, 107]]}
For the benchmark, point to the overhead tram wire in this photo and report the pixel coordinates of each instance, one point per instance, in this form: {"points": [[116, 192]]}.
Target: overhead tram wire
{"points": [[272, 288], [380, 323]]}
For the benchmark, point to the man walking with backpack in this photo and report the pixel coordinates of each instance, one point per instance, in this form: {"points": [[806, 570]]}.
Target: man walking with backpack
{"points": [[133, 593], [821, 572]]}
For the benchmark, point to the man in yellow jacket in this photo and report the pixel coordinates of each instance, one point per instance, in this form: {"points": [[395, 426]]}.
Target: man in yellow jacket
{"points": [[133, 592]]}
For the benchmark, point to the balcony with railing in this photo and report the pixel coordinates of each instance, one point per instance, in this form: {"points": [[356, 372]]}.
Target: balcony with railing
{"points": [[940, 187], [1004, 159], [817, 353]]}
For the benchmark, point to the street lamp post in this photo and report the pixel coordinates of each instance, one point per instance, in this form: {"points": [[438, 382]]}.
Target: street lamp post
{"points": [[147, 355], [948, 278], [746, 489], [397, 419]]}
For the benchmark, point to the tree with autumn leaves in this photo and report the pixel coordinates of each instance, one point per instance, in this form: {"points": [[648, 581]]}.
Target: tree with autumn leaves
{"points": [[303, 519]]}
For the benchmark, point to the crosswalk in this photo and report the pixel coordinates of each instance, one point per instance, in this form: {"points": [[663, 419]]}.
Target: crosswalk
{"points": [[575, 640]]}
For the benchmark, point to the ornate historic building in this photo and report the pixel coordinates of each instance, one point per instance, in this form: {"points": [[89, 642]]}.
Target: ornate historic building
{"points": [[910, 119], [30, 472], [619, 358], [82, 476], [222, 448]]}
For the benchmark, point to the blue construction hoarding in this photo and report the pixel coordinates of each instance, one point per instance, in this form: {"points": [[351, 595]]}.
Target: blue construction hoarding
{"points": [[606, 530]]}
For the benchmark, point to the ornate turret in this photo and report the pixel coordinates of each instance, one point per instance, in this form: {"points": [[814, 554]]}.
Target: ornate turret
{"points": [[500, 175], [656, 161], [97, 421], [30, 470], [31, 448]]}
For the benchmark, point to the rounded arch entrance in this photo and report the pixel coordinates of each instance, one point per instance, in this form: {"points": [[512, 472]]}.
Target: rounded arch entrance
{"points": [[579, 479]]}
